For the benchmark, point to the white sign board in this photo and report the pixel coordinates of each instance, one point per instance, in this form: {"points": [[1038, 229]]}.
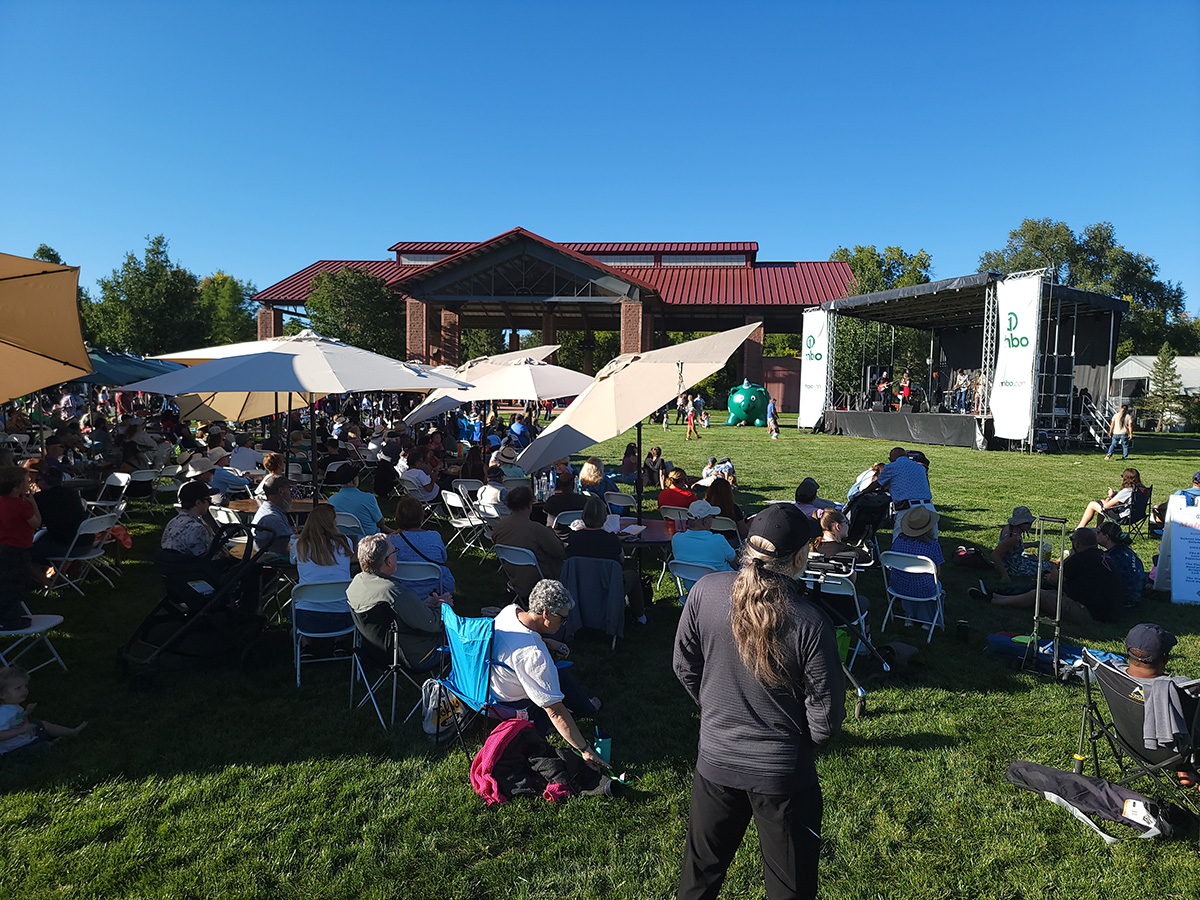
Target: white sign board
{"points": [[814, 367], [1179, 553], [1019, 302]]}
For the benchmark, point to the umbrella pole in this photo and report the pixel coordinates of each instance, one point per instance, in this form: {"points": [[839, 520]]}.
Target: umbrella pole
{"points": [[638, 483], [312, 424], [287, 440]]}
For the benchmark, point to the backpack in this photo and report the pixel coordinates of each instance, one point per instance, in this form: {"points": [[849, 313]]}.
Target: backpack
{"points": [[1082, 797]]}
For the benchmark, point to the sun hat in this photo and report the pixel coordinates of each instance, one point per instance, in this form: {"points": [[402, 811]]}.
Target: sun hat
{"points": [[807, 490], [702, 509], [197, 466], [344, 474], [216, 454], [1021, 516], [505, 456], [785, 528], [918, 520], [1152, 640]]}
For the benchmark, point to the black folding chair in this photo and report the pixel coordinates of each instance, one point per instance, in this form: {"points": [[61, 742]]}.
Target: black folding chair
{"points": [[1122, 732], [376, 648]]}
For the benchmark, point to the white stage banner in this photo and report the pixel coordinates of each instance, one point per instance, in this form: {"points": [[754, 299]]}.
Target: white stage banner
{"points": [[814, 367], [1019, 303]]}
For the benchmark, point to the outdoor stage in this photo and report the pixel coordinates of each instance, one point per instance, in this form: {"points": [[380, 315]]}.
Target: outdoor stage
{"points": [[946, 429]]}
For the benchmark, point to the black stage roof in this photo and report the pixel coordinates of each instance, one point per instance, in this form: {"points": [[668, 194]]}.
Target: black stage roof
{"points": [[957, 303]]}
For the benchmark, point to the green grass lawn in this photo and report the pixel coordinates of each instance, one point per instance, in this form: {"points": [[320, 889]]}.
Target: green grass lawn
{"points": [[213, 783]]}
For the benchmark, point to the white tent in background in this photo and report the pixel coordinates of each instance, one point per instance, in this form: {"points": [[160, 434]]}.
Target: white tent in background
{"points": [[627, 390]]}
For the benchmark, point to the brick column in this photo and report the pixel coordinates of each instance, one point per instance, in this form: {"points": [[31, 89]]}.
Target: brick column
{"points": [[449, 345], [752, 356], [632, 327], [549, 331], [417, 340], [270, 322]]}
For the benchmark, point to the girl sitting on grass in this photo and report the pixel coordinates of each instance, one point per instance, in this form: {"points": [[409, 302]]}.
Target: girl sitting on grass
{"points": [[17, 727]]}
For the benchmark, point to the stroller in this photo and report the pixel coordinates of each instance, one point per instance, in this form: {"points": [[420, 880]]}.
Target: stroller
{"points": [[199, 617], [866, 512]]}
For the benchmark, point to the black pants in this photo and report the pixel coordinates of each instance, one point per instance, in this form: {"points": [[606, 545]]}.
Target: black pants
{"points": [[789, 828]]}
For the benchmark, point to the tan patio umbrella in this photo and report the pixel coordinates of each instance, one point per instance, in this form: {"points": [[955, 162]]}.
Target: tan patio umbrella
{"points": [[40, 341], [626, 391], [238, 406], [473, 371]]}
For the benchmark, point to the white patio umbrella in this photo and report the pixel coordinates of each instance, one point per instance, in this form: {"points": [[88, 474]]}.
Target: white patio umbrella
{"points": [[473, 371], [528, 379], [626, 391], [40, 340]]}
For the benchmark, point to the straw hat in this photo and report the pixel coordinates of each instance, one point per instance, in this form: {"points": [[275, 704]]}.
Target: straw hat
{"points": [[198, 465], [918, 521]]}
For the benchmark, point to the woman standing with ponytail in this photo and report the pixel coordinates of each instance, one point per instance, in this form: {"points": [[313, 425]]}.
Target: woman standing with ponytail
{"points": [[761, 662]]}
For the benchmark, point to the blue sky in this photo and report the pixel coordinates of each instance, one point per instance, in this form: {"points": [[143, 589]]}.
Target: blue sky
{"points": [[259, 137]]}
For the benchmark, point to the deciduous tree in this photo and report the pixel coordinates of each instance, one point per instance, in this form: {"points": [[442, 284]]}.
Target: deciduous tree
{"points": [[354, 306]]}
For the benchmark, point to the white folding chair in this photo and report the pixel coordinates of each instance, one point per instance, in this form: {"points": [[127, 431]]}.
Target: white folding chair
{"points": [[679, 515], [408, 572], [119, 482], [29, 637], [832, 585], [166, 488], [892, 562], [565, 518], [319, 611], [517, 557], [297, 474], [349, 525], [690, 572], [464, 520], [620, 499], [87, 548], [329, 470], [143, 476], [466, 488]]}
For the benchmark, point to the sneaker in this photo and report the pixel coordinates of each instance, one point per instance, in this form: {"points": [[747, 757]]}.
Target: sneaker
{"points": [[977, 594]]}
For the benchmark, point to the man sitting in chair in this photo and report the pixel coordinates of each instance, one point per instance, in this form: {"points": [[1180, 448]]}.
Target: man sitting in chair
{"points": [[525, 676], [698, 543], [1148, 648], [418, 622], [518, 530], [349, 499], [565, 499]]}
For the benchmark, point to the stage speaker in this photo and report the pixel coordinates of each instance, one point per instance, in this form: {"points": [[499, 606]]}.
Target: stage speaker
{"points": [[878, 407], [906, 408]]}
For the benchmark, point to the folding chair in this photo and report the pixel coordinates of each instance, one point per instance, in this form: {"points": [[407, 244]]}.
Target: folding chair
{"points": [[329, 470], [376, 647], [620, 499], [29, 637], [1122, 732], [166, 489], [466, 488], [516, 557], [349, 525], [726, 526], [141, 484], [87, 548], [319, 612], [688, 572], [913, 565], [465, 522], [118, 482], [511, 483], [565, 518], [843, 597], [408, 573]]}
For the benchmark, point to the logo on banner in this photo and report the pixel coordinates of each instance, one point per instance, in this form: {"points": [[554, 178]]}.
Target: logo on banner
{"points": [[1011, 339], [810, 342]]}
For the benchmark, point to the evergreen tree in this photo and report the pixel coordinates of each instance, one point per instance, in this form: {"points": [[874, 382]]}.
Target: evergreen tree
{"points": [[224, 302], [1163, 398]]}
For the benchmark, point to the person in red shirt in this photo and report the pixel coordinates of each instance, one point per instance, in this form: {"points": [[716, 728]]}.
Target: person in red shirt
{"points": [[19, 519], [676, 493]]}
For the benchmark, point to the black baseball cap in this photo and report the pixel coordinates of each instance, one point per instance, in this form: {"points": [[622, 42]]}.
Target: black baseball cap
{"points": [[807, 490], [1152, 642], [785, 528]]}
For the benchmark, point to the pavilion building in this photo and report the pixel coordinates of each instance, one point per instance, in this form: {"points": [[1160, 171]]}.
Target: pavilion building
{"points": [[520, 281]]}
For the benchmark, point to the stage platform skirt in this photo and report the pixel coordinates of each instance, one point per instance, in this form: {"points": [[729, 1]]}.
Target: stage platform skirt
{"points": [[945, 429]]}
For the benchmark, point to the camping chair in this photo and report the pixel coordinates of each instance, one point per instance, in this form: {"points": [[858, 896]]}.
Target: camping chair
{"points": [[913, 565], [463, 519], [1132, 516], [111, 494], [376, 647], [1125, 698], [319, 612], [469, 679], [865, 512], [517, 558], [598, 589], [86, 550], [29, 637], [689, 572]]}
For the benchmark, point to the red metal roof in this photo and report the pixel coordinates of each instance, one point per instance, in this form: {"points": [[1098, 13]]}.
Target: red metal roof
{"points": [[514, 234], [764, 284], [652, 247], [295, 288], [431, 246]]}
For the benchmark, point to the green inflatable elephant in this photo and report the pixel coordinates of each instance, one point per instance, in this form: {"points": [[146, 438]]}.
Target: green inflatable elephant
{"points": [[748, 405]]}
